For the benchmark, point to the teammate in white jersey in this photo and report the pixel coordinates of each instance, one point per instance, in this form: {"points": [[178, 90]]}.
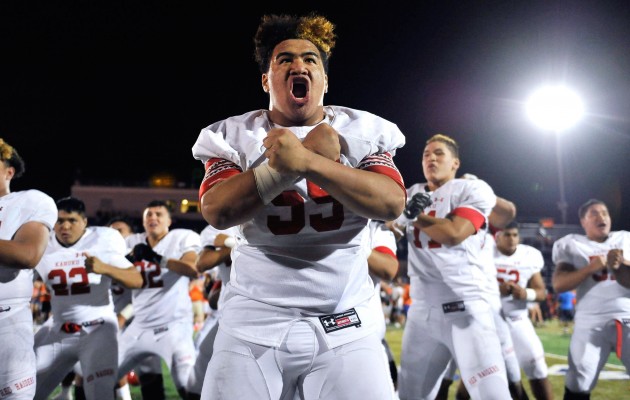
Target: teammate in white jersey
{"points": [[452, 313], [26, 218], [216, 248], [301, 180], [502, 214], [595, 265], [121, 295], [520, 280], [149, 371], [162, 323], [78, 266], [383, 265]]}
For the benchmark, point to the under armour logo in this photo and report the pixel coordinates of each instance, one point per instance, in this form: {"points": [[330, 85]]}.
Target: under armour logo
{"points": [[329, 322]]}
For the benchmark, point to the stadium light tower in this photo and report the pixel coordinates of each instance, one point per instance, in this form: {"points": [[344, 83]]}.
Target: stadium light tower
{"points": [[556, 109]]}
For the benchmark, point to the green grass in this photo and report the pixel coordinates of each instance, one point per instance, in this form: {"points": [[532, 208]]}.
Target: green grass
{"points": [[554, 341], [556, 345]]}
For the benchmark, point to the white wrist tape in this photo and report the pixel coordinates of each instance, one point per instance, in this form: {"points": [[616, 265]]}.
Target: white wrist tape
{"points": [[229, 242], [531, 294], [396, 228], [127, 312], [163, 263], [270, 183], [402, 220]]}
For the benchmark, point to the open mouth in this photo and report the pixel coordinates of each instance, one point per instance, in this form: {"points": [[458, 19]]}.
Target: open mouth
{"points": [[299, 88]]}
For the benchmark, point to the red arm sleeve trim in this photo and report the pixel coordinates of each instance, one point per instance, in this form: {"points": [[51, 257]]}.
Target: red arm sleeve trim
{"points": [[216, 285], [383, 163], [217, 169], [477, 218], [494, 230], [385, 250]]}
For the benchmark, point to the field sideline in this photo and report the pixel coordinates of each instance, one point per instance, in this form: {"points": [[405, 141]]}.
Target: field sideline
{"points": [[554, 341]]}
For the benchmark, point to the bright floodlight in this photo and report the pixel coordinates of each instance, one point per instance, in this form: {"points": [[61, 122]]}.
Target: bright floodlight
{"points": [[555, 108]]}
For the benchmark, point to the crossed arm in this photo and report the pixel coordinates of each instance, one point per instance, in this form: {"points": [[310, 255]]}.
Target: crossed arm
{"points": [[372, 195], [567, 277], [26, 248]]}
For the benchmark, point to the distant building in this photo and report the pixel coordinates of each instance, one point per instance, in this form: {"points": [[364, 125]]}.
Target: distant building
{"points": [[103, 202]]}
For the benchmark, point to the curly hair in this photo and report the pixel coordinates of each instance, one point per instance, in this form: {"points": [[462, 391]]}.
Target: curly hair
{"points": [[11, 158], [274, 29]]}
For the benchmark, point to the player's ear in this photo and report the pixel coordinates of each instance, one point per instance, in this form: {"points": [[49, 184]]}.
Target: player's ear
{"points": [[9, 172], [456, 164], [265, 83]]}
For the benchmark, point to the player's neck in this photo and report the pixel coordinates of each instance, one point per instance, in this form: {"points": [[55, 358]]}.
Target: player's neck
{"points": [[155, 239], [275, 117], [598, 238], [506, 252], [436, 184]]}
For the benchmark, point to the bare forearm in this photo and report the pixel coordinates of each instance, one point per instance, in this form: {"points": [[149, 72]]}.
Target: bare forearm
{"points": [[210, 258], [565, 280], [128, 277], [503, 212], [182, 267], [447, 231], [26, 248], [368, 194], [232, 201], [382, 265], [16, 255], [622, 274]]}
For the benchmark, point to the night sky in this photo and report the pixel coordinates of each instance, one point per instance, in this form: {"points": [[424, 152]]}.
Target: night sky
{"points": [[116, 91]]}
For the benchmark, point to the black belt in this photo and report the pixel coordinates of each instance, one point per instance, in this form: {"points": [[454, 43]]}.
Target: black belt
{"points": [[160, 330], [71, 327]]}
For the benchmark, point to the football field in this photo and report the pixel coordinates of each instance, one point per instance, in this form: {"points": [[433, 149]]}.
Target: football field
{"points": [[613, 383]]}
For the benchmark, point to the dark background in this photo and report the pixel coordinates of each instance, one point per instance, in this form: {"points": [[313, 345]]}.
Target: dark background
{"points": [[115, 92]]}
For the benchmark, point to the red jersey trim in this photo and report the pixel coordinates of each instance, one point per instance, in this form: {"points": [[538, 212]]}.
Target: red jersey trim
{"points": [[385, 250], [217, 170], [383, 163], [477, 219], [216, 285]]}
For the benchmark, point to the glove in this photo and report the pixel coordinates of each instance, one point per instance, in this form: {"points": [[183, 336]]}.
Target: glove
{"points": [[143, 251], [416, 204]]}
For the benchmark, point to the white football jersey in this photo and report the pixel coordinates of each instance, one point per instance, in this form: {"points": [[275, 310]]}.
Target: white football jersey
{"points": [[208, 235], [78, 296], [599, 295], [121, 296], [491, 287], [442, 273], [164, 296], [518, 268], [304, 251], [16, 209], [383, 240]]}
